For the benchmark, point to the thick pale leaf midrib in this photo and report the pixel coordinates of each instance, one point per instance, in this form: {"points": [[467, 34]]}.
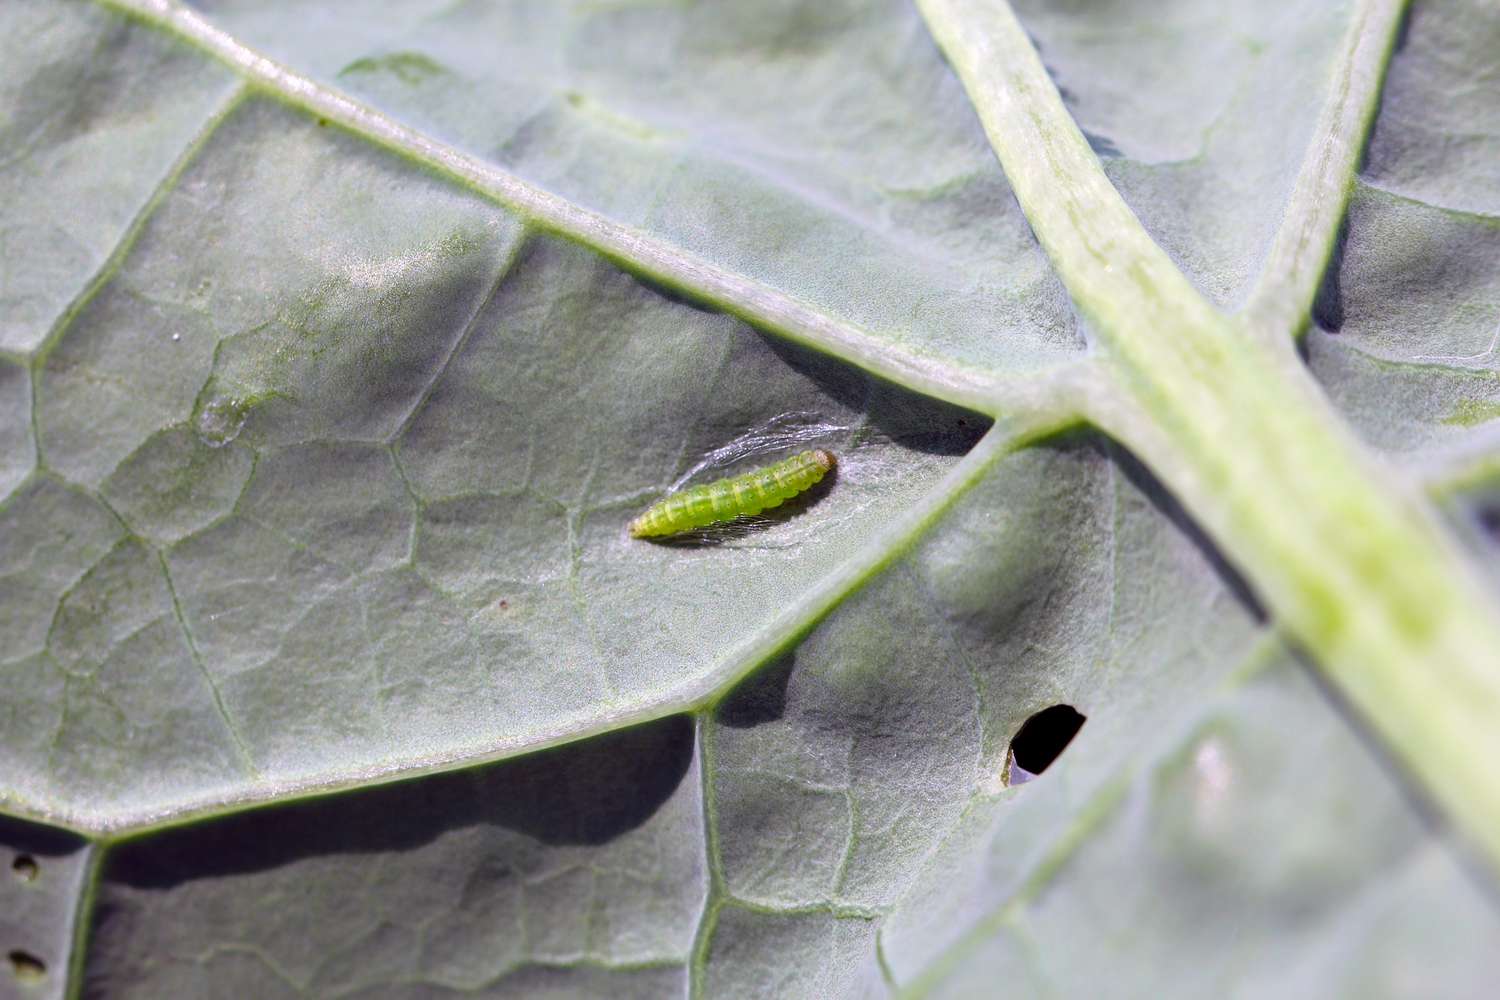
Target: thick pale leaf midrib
{"points": [[1231, 421]]}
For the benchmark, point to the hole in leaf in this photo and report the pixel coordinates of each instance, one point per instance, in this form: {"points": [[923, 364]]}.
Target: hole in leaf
{"points": [[27, 967], [25, 867], [1039, 741]]}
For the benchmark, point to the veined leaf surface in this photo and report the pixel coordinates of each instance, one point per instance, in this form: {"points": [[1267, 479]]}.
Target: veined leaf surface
{"points": [[340, 341]]}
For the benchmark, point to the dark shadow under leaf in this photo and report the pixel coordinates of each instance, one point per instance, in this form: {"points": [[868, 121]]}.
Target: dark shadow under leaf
{"points": [[588, 792]]}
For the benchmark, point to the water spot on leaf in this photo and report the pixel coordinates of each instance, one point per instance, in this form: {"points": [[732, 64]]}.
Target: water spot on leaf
{"points": [[219, 421], [1040, 741]]}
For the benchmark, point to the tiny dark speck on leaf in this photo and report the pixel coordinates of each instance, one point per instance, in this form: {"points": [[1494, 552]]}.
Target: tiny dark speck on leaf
{"points": [[504, 604]]}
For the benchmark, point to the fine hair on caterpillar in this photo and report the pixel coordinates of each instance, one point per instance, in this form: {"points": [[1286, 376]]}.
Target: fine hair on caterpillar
{"points": [[779, 434]]}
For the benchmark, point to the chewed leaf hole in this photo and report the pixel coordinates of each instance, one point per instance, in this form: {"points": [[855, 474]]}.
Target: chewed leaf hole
{"points": [[1041, 740], [25, 868], [26, 967]]}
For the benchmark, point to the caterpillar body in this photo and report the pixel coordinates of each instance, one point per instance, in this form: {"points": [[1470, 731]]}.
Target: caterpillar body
{"points": [[737, 496]]}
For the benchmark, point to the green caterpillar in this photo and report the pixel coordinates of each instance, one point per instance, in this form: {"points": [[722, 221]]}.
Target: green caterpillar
{"points": [[737, 496]]}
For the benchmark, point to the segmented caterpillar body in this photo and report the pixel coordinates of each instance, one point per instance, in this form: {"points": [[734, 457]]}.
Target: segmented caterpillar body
{"points": [[737, 496]]}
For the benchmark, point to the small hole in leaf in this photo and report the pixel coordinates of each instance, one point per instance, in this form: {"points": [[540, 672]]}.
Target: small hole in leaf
{"points": [[26, 967], [1039, 741], [25, 867]]}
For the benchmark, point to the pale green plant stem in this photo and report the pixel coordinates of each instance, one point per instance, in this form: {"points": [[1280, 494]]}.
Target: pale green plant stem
{"points": [[1348, 558], [1299, 253]]}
